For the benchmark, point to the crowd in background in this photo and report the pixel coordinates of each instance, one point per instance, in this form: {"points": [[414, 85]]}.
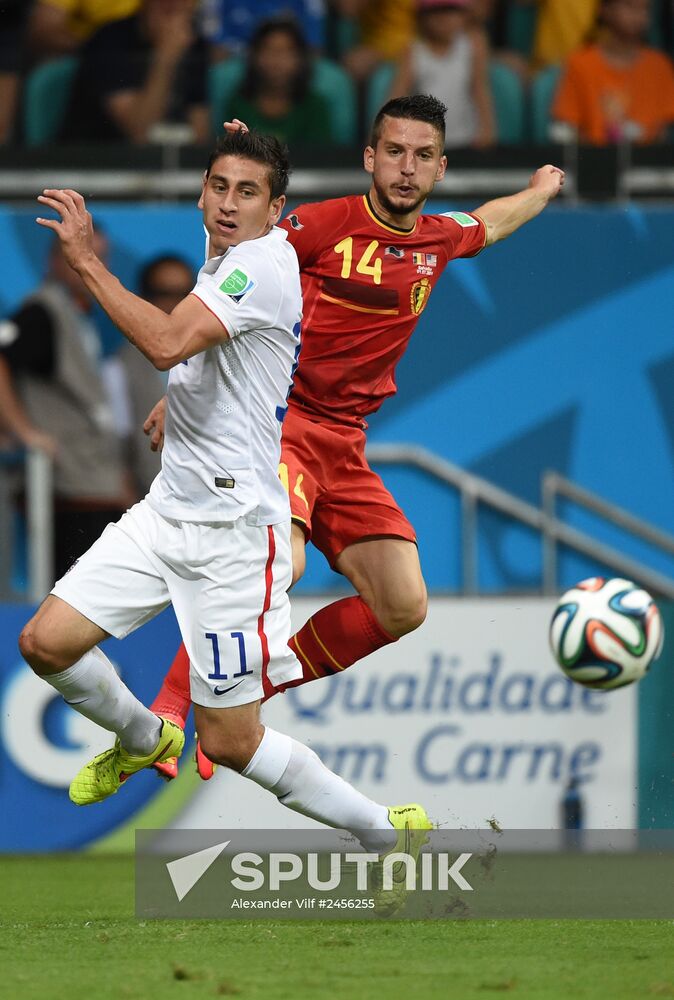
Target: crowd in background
{"points": [[143, 71], [159, 70]]}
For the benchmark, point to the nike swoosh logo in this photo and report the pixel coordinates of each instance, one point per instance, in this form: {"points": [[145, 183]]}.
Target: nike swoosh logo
{"points": [[160, 753], [217, 690]]}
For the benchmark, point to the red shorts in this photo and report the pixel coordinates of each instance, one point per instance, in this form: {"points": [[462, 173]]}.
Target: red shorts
{"points": [[334, 494]]}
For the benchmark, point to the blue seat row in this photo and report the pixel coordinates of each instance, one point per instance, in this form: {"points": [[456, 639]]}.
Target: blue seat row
{"points": [[520, 116]]}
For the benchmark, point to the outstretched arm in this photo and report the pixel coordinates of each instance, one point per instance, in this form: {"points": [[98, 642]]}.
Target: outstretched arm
{"points": [[504, 215], [164, 339]]}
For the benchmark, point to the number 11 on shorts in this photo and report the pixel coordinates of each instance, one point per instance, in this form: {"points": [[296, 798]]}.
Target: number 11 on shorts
{"points": [[217, 674]]}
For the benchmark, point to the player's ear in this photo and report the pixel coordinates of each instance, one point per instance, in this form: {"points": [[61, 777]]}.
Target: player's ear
{"points": [[276, 206], [442, 166], [368, 159]]}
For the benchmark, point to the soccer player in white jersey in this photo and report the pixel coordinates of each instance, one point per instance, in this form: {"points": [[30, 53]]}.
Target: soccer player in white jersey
{"points": [[213, 534]]}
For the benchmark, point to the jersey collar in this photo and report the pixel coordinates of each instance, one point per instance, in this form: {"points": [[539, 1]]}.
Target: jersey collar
{"points": [[367, 205]]}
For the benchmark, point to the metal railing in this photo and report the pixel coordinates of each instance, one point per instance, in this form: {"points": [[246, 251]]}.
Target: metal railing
{"points": [[556, 485], [475, 491], [38, 487]]}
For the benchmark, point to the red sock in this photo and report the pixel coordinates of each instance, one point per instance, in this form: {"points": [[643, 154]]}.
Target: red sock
{"points": [[173, 699], [334, 638]]}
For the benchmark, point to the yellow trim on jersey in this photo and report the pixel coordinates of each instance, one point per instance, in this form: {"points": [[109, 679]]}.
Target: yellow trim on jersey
{"points": [[326, 651], [390, 229], [306, 659], [360, 309]]}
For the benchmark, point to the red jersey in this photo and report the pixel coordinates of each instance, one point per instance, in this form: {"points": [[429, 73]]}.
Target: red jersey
{"points": [[365, 284]]}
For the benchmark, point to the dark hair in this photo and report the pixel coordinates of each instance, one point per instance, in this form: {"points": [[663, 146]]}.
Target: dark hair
{"points": [[251, 85], [418, 107], [147, 272], [265, 149]]}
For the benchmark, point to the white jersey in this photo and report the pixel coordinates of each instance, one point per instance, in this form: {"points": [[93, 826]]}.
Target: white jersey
{"points": [[225, 406]]}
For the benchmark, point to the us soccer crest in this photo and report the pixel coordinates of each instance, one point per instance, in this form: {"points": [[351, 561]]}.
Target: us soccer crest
{"points": [[419, 293]]}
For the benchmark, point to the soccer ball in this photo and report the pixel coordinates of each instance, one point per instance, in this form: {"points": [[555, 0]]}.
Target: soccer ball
{"points": [[606, 633]]}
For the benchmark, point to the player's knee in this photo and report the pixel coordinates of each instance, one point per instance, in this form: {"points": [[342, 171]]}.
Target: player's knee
{"points": [[404, 613], [230, 749], [37, 650]]}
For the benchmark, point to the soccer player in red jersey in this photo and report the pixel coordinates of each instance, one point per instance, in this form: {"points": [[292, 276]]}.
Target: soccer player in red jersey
{"points": [[368, 266]]}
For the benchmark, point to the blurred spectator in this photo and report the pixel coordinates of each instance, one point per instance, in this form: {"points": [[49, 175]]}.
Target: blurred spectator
{"points": [[52, 397], [450, 60], [60, 27], [229, 25], [275, 95], [138, 73], [385, 29], [13, 14], [493, 18], [617, 88], [561, 27], [164, 281]]}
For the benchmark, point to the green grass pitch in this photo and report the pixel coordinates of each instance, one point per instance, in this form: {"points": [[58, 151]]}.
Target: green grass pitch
{"points": [[68, 932]]}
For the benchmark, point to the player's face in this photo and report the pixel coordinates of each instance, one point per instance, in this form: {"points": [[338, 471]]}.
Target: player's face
{"points": [[405, 166], [236, 202]]}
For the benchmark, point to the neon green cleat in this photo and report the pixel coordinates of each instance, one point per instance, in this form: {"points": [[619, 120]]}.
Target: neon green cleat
{"points": [[412, 824], [104, 775]]}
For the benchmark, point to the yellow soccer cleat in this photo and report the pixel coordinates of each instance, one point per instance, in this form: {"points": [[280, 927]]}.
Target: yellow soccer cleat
{"points": [[104, 775], [412, 824]]}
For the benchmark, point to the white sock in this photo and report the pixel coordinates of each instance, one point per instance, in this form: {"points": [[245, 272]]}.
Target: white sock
{"points": [[300, 781], [94, 689]]}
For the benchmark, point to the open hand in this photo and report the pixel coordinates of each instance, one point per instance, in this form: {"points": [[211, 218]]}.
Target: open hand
{"points": [[75, 230]]}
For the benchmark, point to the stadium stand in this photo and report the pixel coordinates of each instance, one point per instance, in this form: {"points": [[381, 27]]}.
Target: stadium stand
{"points": [[541, 96], [507, 95], [329, 80]]}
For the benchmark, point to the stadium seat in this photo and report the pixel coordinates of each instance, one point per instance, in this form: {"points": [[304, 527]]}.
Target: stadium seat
{"points": [[45, 99], [336, 86], [507, 94], [521, 28], [378, 88], [655, 35], [223, 79], [329, 80], [542, 93]]}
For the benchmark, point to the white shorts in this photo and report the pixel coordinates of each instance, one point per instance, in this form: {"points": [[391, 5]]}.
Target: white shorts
{"points": [[228, 585]]}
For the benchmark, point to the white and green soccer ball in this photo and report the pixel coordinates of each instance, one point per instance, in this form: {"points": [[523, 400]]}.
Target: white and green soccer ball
{"points": [[606, 633]]}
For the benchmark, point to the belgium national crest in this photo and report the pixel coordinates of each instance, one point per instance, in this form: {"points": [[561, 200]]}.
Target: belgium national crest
{"points": [[419, 293]]}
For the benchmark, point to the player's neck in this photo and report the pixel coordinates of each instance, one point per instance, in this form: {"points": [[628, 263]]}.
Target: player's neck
{"points": [[405, 223]]}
